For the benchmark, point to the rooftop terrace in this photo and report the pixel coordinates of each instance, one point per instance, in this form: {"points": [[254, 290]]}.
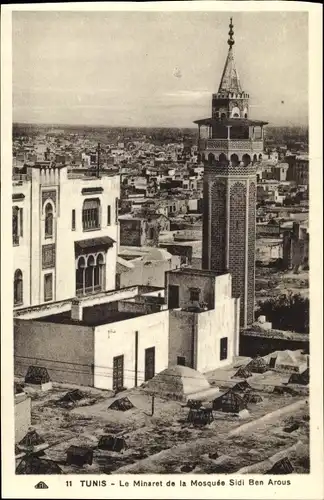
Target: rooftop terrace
{"points": [[96, 315]]}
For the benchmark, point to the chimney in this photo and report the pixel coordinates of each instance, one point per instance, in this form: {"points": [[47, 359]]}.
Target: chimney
{"points": [[76, 310]]}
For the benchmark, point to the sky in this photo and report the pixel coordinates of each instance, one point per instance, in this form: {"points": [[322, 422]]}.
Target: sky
{"points": [[155, 68]]}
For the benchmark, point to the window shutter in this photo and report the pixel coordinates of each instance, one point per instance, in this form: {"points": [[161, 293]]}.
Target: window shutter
{"points": [[73, 220], [21, 221], [108, 215]]}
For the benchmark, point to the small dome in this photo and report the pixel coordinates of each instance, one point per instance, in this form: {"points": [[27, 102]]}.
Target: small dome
{"points": [[157, 254], [177, 382]]}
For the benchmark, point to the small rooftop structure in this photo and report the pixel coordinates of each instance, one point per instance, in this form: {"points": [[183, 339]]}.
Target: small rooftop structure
{"points": [[121, 404], [252, 398], [283, 466], [229, 402], [200, 416], [35, 465], [257, 365], [79, 455], [177, 383], [31, 440], [111, 443], [242, 373], [37, 375], [300, 378], [289, 361], [72, 396], [241, 386]]}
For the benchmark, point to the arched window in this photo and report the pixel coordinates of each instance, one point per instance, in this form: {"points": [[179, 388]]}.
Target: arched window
{"points": [[80, 276], [89, 271], [235, 112], [99, 273], [90, 274], [246, 160], [91, 214], [222, 158], [48, 221], [234, 160], [211, 158], [18, 288]]}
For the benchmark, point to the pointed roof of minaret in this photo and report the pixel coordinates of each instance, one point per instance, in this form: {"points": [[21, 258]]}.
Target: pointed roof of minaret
{"points": [[230, 81]]}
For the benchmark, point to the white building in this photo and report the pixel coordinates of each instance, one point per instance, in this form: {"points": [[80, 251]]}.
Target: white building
{"points": [[125, 337], [65, 234]]}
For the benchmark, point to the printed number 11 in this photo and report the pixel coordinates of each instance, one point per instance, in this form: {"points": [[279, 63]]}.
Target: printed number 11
{"points": [[68, 483]]}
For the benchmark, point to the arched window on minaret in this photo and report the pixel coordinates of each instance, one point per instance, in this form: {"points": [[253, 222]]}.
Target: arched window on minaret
{"points": [[48, 221], [234, 160], [235, 112]]}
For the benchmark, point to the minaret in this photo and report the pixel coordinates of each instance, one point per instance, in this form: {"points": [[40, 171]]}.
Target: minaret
{"points": [[230, 153]]}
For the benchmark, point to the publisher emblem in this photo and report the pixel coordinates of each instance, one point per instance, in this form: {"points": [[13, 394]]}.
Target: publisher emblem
{"points": [[41, 486]]}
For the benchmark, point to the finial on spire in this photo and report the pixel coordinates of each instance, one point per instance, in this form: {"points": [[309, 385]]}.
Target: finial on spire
{"points": [[230, 41]]}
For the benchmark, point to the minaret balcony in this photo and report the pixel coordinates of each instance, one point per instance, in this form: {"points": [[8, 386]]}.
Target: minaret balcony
{"points": [[228, 146]]}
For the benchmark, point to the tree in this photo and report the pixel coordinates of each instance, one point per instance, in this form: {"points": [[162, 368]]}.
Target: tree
{"points": [[287, 312]]}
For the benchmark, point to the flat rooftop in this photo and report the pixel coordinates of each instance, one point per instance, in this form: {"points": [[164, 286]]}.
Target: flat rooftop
{"points": [[197, 272], [96, 315]]}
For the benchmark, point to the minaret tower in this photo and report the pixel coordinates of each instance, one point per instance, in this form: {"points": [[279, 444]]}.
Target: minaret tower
{"points": [[230, 152]]}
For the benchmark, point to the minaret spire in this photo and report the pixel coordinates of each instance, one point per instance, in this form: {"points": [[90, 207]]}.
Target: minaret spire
{"points": [[231, 41], [230, 81]]}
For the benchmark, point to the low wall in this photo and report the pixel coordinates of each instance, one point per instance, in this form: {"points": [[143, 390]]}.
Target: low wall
{"points": [[67, 351], [253, 345]]}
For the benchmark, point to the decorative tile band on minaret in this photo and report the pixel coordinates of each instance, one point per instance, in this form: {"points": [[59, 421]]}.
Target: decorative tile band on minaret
{"points": [[233, 146]]}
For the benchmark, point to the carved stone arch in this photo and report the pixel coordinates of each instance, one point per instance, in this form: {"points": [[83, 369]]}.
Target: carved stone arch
{"points": [[235, 113], [246, 159], [46, 202], [49, 195], [235, 160], [222, 158], [211, 159], [81, 262], [100, 258], [91, 260]]}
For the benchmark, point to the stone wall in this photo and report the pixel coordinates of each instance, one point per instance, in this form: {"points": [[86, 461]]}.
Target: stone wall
{"points": [[22, 416]]}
